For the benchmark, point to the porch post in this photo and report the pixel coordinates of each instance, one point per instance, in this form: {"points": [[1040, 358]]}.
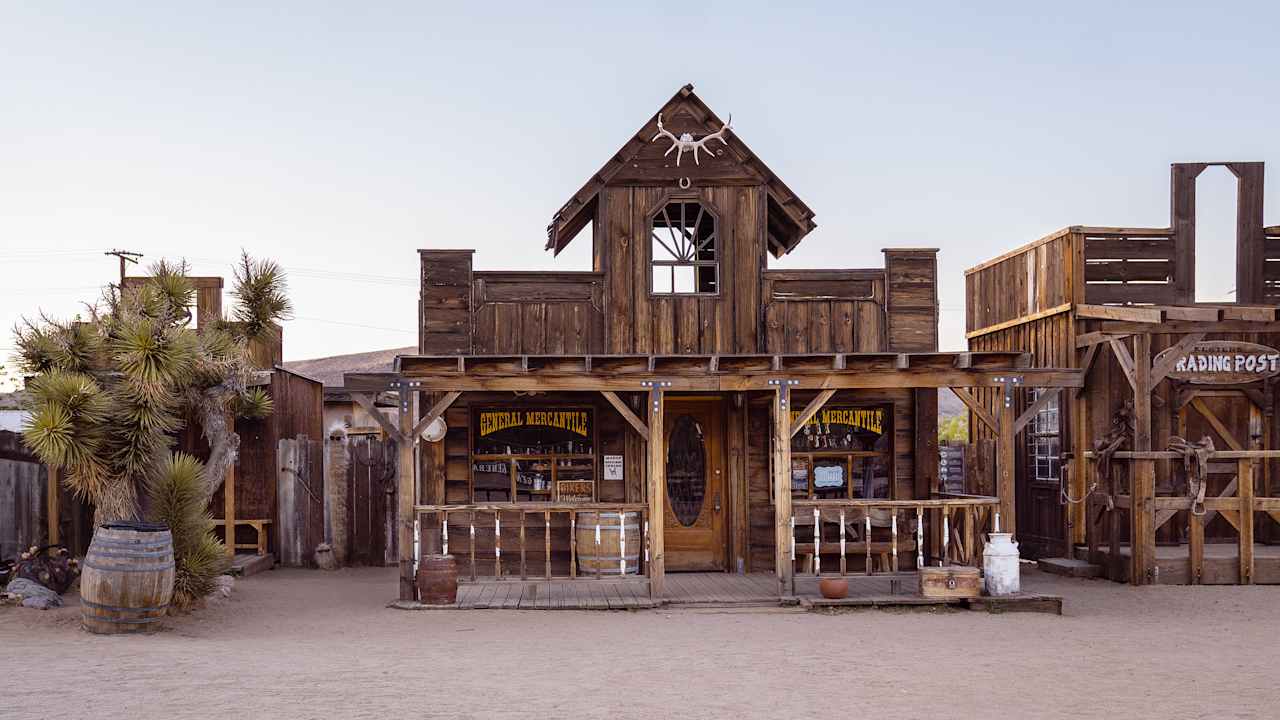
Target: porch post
{"points": [[1005, 457], [656, 491], [782, 537], [406, 476], [1142, 502]]}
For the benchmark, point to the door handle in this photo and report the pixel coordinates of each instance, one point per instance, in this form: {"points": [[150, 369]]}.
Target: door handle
{"points": [[717, 505]]}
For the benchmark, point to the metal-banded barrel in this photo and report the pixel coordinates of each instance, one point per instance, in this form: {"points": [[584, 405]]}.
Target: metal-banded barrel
{"points": [[127, 581], [619, 542]]}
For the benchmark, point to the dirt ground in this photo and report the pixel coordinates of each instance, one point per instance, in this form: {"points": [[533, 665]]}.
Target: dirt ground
{"points": [[308, 644]]}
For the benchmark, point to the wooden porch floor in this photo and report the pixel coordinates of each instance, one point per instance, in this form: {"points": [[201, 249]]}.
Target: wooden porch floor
{"points": [[704, 590], [1221, 563]]}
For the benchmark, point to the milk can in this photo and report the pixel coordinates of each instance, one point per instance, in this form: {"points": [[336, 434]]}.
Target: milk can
{"points": [[1000, 565]]}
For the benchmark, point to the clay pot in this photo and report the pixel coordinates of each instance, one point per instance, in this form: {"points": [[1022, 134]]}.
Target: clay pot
{"points": [[834, 588]]}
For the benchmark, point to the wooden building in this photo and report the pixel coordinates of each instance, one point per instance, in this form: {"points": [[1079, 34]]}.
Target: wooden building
{"points": [[730, 418], [1103, 474]]}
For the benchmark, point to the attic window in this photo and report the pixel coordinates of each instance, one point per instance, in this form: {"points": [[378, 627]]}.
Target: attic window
{"points": [[684, 249]]}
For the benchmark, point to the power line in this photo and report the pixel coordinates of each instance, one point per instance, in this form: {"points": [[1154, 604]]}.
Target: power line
{"points": [[359, 325]]}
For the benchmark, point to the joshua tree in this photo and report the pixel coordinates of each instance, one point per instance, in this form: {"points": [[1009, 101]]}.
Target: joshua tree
{"points": [[110, 392]]}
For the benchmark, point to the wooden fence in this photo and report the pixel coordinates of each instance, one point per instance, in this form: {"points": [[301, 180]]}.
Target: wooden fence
{"points": [[300, 498]]}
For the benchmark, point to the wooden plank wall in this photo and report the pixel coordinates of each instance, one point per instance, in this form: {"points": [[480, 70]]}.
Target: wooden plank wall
{"points": [[299, 520], [1131, 269], [444, 303], [23, 501], [1271, 267], [822, 311], [1033, 279], [638, 322], [525, 313], [911, 299]]}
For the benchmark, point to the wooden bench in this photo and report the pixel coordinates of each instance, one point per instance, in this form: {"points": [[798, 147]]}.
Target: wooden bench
{"points": [[230, 539]]}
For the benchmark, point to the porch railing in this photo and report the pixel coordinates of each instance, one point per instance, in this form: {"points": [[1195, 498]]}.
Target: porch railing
{"points": [[518, 521], [945, 529]]}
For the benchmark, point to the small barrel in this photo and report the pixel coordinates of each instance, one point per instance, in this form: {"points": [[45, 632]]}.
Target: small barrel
{"points": [[608, 558], [127, 581], [438, 580]]}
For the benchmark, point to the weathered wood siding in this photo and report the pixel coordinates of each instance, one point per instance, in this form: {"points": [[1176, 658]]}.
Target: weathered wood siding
{"points": [[1034, 279], [638, 321], [23, 499], [536, 313], [911, 300], [444, 304], [824, 311]]}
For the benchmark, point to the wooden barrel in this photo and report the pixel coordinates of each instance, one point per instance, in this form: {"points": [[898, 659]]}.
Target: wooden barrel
{"points": [[127, 581], [438, 580], [612, 550]]}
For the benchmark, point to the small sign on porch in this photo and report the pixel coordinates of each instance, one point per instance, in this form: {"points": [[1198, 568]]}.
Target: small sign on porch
{"points": [[575, 490], [613, 467], [1224, 362]]}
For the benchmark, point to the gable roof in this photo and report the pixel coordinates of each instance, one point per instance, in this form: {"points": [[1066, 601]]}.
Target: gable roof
{"points": [[789, 219], [330, 370]]}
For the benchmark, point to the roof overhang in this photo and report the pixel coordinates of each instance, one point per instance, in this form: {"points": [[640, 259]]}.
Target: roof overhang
{"points": [[710, 373]]}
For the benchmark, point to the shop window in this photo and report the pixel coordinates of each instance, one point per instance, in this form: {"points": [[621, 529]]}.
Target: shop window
{"points": [[843, 452], [532, 454], [1044, 442], [684, 251]]}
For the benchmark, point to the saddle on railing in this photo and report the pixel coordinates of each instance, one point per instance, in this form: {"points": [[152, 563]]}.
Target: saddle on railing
{"points": [[1195, 461]]}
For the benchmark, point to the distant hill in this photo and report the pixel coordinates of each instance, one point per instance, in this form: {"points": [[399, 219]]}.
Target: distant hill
{"points": [[329, 370], [949, 405]]}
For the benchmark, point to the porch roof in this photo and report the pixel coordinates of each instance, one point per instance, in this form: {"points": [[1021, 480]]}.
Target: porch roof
{"points": [[712, 372]]}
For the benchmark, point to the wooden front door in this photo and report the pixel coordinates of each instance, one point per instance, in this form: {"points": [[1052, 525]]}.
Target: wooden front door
{"points": [[695, 501]]}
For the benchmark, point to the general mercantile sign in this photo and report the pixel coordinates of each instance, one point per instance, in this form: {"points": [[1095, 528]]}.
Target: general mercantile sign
{"points": [[1223, 362]]}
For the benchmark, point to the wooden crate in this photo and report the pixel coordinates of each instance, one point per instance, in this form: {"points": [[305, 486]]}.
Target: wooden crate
{"points": [[956, 581]]}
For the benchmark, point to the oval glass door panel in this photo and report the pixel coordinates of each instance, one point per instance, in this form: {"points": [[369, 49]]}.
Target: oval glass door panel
{"points": [[686, 470]]}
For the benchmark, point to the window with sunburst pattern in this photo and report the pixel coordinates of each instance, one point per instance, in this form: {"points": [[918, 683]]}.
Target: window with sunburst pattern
{"points": [[684, 252]]}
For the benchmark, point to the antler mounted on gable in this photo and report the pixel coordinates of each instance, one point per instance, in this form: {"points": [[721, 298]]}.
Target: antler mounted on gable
{"points": [[686, 143]]}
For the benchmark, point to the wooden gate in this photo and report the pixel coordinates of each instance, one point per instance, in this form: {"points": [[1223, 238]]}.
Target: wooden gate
{"points": [[300, 501], [371, 501]]}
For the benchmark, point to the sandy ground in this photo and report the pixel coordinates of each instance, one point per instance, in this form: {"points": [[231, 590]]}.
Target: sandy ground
{"points": [[306, 644]]}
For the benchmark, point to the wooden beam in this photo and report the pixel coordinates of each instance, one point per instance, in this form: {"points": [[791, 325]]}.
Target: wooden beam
{"points": [[1217, 424], [1094, 338], [656, 493], [1090, 356], [436, 411], [1005, 457], [1142, 515], [53, 506], [782, 533], [1160, 370], [1126, 361], [1018, 321], [407, 493], [229, 508], [810, 410], [1244, 471], [981, 412], [1029, 414], [1123, 313], [366, 402], [625, 412]]}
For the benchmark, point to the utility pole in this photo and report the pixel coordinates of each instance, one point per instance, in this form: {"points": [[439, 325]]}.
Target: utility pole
{"points": [[126, 257]]}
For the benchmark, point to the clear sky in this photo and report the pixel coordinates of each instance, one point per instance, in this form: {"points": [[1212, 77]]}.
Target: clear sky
{"points": [[340, 138]]}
